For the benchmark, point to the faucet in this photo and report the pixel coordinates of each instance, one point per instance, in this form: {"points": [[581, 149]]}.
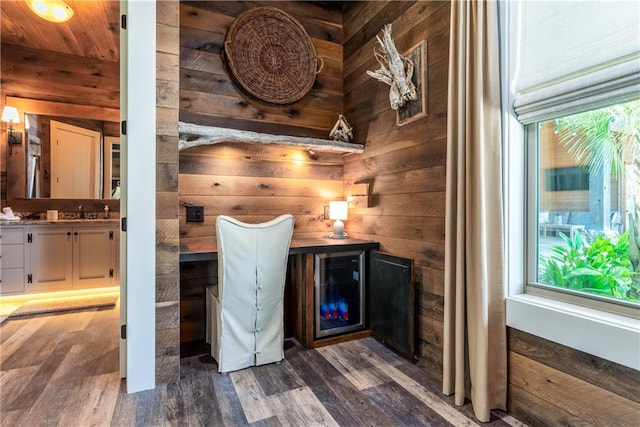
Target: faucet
{"points": [[81, 212]]}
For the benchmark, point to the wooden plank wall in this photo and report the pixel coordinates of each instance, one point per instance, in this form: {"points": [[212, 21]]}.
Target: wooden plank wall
{"points": [[553, 385], [253, 183], [167, 225], [406, 165], [208, 95]]}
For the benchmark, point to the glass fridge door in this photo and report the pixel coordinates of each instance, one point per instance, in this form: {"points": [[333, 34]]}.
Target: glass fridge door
{"points": [[339, 293]]}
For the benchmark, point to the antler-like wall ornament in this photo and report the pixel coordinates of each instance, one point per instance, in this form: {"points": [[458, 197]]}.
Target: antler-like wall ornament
{"points": [[395, 70]]}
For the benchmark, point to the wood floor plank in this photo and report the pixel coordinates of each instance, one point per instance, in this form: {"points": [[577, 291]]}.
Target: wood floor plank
{"points": [[425, 379], [344, 358], [371, 347], [150, 408], [47, 408], [18, 338], [432, 400], [363, 379], [54, 329], [94, 404], [36, 385], [226, 399], [267, 422], [317, 371], [251, 395], [176, 405], [12, 418], [277, 378], [41, 345], [196, 394], [403, 407], [124, 413], [12, 382], [300, 407]]}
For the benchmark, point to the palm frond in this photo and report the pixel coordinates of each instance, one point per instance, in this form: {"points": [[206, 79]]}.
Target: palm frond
{"points": [[596, 139]]}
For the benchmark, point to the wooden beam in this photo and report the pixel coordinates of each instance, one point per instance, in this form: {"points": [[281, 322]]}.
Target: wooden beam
{"points": [[193, 135], [64, 109]]}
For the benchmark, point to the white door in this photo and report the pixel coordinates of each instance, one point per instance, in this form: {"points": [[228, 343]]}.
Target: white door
{"points": [[137, 198], [75, 162]]}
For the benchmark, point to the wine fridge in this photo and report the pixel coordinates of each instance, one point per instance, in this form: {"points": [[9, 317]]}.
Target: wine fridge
{"points": [[339, 293]]}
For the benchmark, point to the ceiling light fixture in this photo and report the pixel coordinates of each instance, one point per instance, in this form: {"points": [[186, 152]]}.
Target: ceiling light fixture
{"points": [[51, 10]]}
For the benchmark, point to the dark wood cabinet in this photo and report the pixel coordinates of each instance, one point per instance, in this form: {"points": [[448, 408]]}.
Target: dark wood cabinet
{"points": [[301, 304]]}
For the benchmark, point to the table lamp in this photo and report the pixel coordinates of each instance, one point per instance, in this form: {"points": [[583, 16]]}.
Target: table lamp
{"points": [[338, 212]]}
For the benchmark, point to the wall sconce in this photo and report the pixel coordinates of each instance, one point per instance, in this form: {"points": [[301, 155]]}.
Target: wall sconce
{"points": [[51, 10], [358, 195], [338, 211], [10, 115]]}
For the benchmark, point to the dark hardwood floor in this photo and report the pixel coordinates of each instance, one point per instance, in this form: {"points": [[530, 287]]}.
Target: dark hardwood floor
{"points": [[63, 370]]}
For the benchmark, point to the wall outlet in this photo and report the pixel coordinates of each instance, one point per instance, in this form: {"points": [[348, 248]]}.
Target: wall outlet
{"points": [[195, 213]]}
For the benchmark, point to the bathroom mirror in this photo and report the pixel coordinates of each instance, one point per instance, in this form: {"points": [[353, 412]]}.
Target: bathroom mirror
{"points": [[69, 151]]}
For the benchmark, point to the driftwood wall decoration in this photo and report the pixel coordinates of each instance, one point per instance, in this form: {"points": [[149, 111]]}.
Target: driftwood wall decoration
{"points": [[413, 110], [342, 130], [193, 135], [395, 70]]}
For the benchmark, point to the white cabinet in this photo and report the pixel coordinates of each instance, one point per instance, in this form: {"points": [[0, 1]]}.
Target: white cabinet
{"points": [[12, 259], [50, 258], [70, 257], [93, 257]]}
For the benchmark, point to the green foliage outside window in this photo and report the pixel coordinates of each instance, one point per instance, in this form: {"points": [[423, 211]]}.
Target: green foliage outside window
{"points": [[605, 266], [600, 267]]}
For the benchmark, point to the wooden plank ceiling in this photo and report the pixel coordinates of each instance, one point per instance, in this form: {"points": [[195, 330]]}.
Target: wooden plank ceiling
{"points": [[92, 32]]}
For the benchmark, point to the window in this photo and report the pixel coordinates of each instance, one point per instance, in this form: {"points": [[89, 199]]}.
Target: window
{"points": [[559, 60], [585, 196]]}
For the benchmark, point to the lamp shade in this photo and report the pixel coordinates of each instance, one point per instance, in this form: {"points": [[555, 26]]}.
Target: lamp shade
{"points": [[338, 210], [10, 114]]}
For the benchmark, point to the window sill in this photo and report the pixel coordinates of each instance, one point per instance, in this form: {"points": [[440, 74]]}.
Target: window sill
{"points": [[606, 335]]}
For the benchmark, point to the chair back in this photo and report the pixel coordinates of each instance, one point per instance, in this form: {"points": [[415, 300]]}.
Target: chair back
{"points": [[252, 266]]}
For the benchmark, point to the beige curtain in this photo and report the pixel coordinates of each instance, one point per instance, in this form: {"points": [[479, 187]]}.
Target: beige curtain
{"points": [[475, 349]]}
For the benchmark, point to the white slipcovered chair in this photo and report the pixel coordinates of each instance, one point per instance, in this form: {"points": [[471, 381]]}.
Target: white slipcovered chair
{"points": [[245, 310]]}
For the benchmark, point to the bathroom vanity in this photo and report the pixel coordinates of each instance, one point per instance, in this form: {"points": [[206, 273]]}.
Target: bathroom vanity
{"points": [[42, 256]]}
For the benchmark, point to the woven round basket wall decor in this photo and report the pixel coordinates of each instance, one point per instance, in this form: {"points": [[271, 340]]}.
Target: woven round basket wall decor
{"points": [[271, 55]]}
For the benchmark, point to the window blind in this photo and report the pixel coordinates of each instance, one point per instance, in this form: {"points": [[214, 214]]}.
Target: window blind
{"points": [[576, 55]]}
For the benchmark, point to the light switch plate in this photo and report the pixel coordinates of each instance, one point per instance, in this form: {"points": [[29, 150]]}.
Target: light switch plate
{"points": [[195, 213]]}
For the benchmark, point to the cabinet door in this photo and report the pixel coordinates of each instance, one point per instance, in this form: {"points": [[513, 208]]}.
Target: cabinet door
{"points": [[11, 260], [92, 257], [11, 280], [50, 258]]}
